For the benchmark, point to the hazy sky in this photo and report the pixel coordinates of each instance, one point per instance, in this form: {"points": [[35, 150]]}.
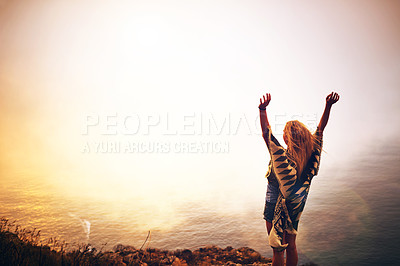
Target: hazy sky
{"points": [[67, 64]]}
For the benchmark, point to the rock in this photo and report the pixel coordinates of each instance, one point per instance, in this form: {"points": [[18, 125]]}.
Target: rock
{"points": [[230, 263], [255, 256], [204, 263], [128, 258], [165, 261], [185, 254], [118, 247], [178, 262], [205, 256], [228, 248]]}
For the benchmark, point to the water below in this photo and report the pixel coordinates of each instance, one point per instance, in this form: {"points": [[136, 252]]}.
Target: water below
{"points": [[352, 215]]}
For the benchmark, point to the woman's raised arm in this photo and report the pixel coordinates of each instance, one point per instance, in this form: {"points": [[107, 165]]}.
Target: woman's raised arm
{"points": [[264, 101], [330, 100]]}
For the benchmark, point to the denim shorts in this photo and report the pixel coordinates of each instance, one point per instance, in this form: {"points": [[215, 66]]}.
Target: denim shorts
{"points": [[270, 202]]}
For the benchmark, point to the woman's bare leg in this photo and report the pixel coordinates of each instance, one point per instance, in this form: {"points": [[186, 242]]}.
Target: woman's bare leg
{"points": [[278, 258], [291, 250]]}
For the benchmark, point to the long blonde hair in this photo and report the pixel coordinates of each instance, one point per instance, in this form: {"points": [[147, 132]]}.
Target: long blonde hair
{"points": [[300, 143]]}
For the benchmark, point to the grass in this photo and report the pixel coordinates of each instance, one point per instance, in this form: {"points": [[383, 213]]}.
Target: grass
{"points": [[20, 246]]}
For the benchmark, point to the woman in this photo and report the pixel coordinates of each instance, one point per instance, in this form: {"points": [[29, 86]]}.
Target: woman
{"points": [[289, 176]]}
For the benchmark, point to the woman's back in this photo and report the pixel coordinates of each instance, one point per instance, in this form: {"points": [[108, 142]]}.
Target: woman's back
{"points": [[293, 169]]}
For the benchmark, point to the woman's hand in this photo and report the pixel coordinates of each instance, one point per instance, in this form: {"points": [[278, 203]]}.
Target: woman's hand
{"points": [[264, 101], [332, 98]]}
